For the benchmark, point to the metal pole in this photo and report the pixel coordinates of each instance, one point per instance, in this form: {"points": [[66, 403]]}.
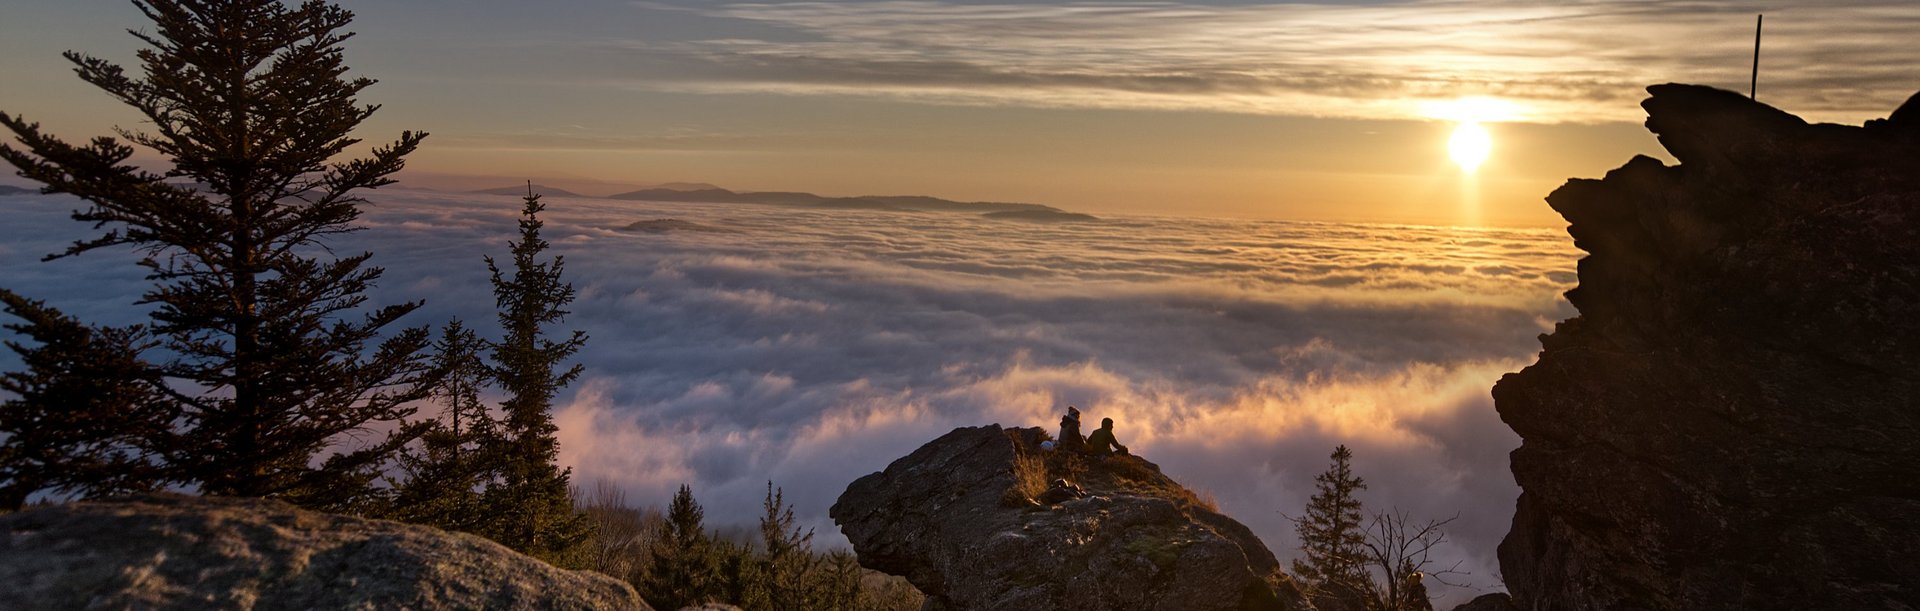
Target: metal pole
{"points": [[1754, 87]]}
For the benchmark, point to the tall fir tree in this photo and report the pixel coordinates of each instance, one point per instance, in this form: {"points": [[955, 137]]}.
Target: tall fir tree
{"points": [[1333, 569], [686, 567], [266, 351], [531, 499]]}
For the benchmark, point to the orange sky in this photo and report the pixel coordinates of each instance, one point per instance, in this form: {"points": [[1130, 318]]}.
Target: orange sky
{"points": [[1321, 111]]}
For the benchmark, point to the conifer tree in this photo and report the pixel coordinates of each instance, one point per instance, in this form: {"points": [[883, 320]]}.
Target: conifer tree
{"points": [[67, 424], [742, 577], [840, 583], [268, 354], [531, 498], [787, 561], [459, 454], [1334, 566], [685, 568]]}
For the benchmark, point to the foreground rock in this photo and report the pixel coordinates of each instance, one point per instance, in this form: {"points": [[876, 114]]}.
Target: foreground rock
{"points": [[173, 552], [1488, 602], [1731, 421], [952, 518]]}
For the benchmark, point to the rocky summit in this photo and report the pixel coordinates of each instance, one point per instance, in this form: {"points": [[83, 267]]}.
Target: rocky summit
{"points": [[1731, 421], [177, 552], [972, 521]]}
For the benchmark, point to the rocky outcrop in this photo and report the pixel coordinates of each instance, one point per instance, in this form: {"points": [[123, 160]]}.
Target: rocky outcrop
{"points": [[176, 552], [955, 519], [1498, 601], [1731, 421]]}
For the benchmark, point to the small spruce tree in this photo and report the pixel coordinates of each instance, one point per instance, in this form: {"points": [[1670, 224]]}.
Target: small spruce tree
{"points": [[787, 560], [1333, 568], [685, 569], [742, 577], [535, 511], [459, 453], [841, 582]]}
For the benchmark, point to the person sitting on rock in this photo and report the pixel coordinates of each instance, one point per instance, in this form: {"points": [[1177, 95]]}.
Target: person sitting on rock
{"points": [[1102, 441], [1070, 438]]}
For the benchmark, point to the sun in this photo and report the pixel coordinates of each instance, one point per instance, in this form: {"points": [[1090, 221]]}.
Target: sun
{"points": [[1470, 145]]}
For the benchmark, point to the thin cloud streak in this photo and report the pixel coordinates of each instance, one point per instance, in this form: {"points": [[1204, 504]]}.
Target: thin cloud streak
{"points": [[1564, 62]]}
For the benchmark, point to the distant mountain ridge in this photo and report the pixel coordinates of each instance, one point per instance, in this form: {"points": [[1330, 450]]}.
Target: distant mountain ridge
{"points": [[699, 192], [521, 190], [898, 203]]}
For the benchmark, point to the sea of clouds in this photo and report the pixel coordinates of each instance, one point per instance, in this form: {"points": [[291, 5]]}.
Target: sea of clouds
{"points": [[810, 347]]}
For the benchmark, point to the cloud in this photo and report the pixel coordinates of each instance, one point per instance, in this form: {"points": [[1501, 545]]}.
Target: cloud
{"points": [[814, 347], [1560, 62]]}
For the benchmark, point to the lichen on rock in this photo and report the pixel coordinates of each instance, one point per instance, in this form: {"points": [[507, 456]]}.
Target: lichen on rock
{"points": [[180, 552]]}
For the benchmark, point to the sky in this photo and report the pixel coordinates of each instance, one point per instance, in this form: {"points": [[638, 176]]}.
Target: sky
{"points": [[1304, 111]]}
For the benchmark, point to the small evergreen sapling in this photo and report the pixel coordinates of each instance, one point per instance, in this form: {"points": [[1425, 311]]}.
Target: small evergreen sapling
{"points": [[1334, 564], [686, 567], [787, 560]]}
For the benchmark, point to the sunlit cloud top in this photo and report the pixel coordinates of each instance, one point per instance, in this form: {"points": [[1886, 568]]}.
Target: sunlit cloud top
{"points": [[1564, 62]]}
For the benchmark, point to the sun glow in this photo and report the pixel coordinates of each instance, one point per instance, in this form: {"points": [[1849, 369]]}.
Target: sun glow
{"points": [[1470, 145], [1476, 109]]}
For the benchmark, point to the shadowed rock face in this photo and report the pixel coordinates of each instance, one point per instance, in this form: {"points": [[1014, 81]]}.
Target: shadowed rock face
{"points": [[172, 552], [1733, 421], [1488, 602], [942, 518]]}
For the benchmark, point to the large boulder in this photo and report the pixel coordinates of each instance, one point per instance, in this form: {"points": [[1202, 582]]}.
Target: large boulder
{"points": [[955, 519], [1731, 421], [178, 552]]}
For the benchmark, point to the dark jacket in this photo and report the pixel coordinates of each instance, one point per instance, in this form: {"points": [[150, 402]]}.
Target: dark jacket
{"points": [[1070, 438], [1102, 442]]}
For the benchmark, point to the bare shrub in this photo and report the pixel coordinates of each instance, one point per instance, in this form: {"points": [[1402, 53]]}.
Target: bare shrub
{"points": [[1029, 478]]}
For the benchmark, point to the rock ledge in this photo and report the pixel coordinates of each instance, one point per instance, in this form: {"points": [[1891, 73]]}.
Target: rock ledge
{"points": [[178, 552]]}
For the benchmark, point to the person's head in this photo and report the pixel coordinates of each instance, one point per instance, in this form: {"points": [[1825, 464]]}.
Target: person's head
{"points": [[1073, 411], [1106, 423]]}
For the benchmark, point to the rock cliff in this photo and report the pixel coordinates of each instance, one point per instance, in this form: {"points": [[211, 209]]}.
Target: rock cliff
{"points": [[1731, 421], [953, 519], [174, 552]]}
